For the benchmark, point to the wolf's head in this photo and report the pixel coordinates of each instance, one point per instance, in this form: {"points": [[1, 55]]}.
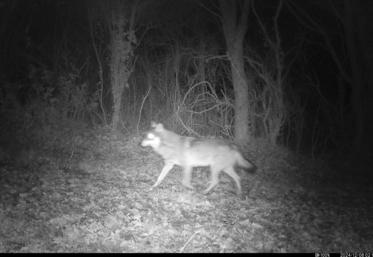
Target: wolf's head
{"points": [[153, 137]]}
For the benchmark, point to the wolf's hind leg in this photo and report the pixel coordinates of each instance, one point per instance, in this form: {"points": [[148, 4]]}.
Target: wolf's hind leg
{"points": [[233, 174]]}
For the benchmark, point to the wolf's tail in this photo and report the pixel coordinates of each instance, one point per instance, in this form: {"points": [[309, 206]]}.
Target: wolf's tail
{"points": [[242, 162]]}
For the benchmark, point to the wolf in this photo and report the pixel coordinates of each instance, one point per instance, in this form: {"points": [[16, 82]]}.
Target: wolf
{"points": [[190, 152]]}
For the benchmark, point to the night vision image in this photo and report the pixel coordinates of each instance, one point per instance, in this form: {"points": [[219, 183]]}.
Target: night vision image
{"points": [[186, 126]]}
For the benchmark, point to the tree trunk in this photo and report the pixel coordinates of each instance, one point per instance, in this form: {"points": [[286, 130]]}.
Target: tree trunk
{"points": [[234, 21], [118, 79], [123, 40], [241, 93]]}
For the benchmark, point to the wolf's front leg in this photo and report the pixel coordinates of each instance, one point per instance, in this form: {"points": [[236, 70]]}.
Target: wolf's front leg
{"points": [[167, 167], [214, 179], [187, 177]]}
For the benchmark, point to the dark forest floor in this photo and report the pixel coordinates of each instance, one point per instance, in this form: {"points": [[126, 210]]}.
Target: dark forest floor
{"points": [[95, 198]]}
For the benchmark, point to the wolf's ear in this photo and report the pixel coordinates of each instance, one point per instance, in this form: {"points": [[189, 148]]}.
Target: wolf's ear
{"points": [[157, 126]]}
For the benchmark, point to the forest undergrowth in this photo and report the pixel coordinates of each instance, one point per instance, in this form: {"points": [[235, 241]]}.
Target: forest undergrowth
{"points": [[93, 196]]}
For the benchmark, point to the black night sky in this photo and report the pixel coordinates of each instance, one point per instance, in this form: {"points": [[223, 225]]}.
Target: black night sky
{"points": [[281, 88]]}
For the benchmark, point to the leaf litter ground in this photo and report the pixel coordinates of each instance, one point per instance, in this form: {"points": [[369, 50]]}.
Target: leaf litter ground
{"points": [[96, 198]]}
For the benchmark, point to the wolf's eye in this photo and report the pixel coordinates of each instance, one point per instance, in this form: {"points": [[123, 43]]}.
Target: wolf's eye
{"points": [[151, 136]]}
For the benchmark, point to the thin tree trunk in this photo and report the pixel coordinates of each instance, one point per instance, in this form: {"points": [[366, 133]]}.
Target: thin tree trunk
{"points": [[100, 70], [365, 39], [356, 83]]}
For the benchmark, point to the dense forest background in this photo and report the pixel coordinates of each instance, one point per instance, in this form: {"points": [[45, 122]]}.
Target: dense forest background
{"points": [[293, 73]]}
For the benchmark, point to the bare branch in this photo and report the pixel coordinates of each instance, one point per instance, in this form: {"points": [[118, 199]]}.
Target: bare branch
{"points": [[210, 11], [141, 107], [261, 24], [311, 24]]}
